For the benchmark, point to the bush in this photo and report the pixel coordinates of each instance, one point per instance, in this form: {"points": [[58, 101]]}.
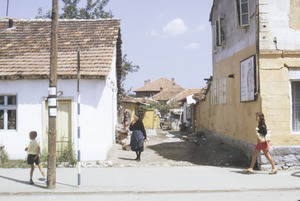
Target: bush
{"points": [[4, 156], [67, 154]]}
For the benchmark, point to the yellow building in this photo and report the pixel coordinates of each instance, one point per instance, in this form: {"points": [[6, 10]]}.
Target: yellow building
{"points": [[256, 68]]}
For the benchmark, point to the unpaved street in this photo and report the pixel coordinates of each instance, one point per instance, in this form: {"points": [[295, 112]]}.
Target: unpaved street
{"points": [[168, 149]]}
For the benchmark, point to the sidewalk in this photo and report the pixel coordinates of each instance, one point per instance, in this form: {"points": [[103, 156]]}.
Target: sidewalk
{"points": [[193, 179]]}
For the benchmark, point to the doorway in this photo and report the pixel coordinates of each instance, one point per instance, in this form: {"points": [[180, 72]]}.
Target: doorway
{"points": [[63, 125]]}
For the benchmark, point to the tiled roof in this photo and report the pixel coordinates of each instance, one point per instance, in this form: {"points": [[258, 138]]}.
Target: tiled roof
{"points": [[25, 48], [156, 85], [200, 96], [185, 94], [166, 95]]}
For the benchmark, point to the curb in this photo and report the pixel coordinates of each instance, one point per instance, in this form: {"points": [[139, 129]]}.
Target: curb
{"points": [[50, 192]]}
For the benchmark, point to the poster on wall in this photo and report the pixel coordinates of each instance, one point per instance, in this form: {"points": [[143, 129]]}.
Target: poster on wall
{"points": [[248, 79]]}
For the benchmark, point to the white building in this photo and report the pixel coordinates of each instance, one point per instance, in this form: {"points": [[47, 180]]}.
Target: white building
{"points": [[24, 82]]}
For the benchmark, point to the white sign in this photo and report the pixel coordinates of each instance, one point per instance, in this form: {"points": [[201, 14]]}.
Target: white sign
{"points": [[248, 79], [52, 91], [51, 101], [52, 112]]}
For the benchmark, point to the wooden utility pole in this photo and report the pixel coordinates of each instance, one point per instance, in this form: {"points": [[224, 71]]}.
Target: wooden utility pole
{"points": [[52, 100]]}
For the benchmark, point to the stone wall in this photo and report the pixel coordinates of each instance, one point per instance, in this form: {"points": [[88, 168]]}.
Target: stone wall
{"points": [[285, 157]]}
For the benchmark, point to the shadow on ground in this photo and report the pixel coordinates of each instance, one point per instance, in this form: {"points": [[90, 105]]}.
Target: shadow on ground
{"points": [[200, 152]]}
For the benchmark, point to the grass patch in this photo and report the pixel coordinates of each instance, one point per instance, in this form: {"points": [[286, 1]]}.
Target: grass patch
{"points": [[15, 164]]}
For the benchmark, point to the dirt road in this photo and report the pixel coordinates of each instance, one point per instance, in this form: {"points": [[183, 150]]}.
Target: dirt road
{"points": [[168, 149]]}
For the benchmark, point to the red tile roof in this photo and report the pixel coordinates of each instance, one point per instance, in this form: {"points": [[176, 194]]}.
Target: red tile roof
{"points": [[156, 85], [25, 48]]}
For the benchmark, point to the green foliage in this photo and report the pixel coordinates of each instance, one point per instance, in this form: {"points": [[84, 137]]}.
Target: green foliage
{"points": [[127, 67], [67, 154], [161, 106], [15, 164], [92, 10], [4, 156], [44, 156]]}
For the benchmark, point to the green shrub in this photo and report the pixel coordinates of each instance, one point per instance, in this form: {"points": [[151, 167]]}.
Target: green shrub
{"points": [[67, 154]]}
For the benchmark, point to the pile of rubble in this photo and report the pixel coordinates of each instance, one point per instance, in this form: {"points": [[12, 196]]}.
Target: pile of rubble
{"points": [[122, 137], [196, 137]]}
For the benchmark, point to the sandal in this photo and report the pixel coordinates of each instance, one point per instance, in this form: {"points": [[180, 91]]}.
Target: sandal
{"points": [[274, 171], [249, 170]]}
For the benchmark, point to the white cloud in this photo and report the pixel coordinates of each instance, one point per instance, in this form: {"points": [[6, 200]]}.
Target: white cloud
{"points": [[192, 46], [175, 27], [154, 33], [200, 28]]}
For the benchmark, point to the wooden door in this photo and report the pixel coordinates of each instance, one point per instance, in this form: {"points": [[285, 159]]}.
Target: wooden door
{"points": [[63, 125]]}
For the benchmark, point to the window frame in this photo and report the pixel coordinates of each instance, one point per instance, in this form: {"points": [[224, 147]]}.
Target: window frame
{"points": [[219, 32], [240, 13], [292, 107], [6, 108]]}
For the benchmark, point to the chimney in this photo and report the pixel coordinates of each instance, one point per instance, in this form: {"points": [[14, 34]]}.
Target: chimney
{"points": [[161, 89], [173, 80], [148, 81], [10, 23], [145, 82]]}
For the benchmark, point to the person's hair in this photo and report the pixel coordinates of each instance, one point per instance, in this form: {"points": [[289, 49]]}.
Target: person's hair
{"points": [[33, 134], [261, 116]]}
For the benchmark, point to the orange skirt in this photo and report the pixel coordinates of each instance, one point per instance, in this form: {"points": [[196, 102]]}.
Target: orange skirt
{"points": [[262, 145]]}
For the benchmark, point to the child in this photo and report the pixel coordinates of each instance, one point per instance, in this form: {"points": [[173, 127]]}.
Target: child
{"points": [[264, 146], [33, 151]]}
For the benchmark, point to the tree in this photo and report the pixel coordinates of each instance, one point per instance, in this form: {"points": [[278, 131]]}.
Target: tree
{"points": [[127, 67], [92, 10]]}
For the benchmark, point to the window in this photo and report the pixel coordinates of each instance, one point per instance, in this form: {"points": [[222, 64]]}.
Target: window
{"points": [[8, 112], [296, 106], [223, 91], [214, 94], [219, 32], [242, 7]]}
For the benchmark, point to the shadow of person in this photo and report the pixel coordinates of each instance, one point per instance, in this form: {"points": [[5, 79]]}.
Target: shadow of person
{"points": [[22, 182], [296, 174], [126, 159]]}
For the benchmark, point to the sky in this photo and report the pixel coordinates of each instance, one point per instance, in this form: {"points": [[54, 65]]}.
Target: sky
{"points": [[165, 38]]}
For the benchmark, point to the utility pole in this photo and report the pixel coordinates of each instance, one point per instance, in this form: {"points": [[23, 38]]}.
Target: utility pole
{"points": [[7, 6], [52, 100]]}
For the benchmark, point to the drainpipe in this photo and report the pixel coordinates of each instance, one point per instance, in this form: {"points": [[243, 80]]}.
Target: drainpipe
{"points": [[257, 53]]}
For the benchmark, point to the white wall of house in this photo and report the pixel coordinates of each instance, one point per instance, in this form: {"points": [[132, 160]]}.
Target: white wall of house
{"points": [[29, 114], [98, 114], [275, 22]]}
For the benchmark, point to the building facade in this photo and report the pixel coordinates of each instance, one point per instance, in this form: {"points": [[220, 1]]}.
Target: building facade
{"points": [[256, 63], [24, 83]]}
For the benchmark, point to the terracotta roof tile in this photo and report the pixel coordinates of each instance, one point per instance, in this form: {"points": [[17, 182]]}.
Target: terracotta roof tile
{"points": [[168, 94], [25, 49], [185, 94], [156, 85]]}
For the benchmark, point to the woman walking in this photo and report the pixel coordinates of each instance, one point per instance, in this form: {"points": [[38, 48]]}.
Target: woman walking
{"points": [[138, 136], [264, 146]]}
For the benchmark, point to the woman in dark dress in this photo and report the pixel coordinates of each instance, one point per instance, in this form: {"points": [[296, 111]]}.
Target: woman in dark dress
{"points": [[138, 136]]}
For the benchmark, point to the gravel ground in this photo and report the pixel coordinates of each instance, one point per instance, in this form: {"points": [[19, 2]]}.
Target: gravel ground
{"points": [[167, 148]]}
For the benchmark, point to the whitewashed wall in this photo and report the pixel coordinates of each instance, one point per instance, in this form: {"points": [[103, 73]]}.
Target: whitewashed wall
{"points": [[274, 22], [98, 114], [29, 114]]}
